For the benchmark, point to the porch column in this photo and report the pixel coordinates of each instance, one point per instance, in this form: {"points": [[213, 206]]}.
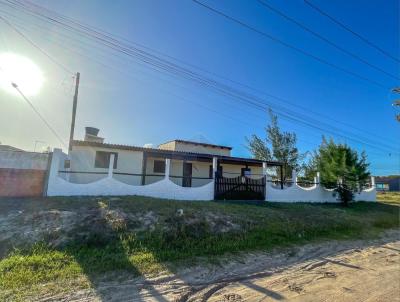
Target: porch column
{"points": [[214, 166], [264, 168], [294, 176], [264, 173], [167, 167], [144, 168], [282, 177], [373, 181], [318, 179], [111, 166]]}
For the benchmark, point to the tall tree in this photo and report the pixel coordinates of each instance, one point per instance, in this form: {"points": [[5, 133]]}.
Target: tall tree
{"points": [[341, 168], [278, 145]]}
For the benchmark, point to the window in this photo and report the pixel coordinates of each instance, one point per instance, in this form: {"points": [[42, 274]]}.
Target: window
{"points": [[382, 187], [210, 171], [67, 164], [159, 166], [103, 159], [245, 172]]}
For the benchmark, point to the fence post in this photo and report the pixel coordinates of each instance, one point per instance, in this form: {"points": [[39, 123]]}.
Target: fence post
{"points": [[111, 166], [53, 170], [167, 168], [55, 162], [214, 172]]}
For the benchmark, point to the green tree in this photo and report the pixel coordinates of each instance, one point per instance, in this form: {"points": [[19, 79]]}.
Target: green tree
{"points": [[341, 168], [278, 145]]}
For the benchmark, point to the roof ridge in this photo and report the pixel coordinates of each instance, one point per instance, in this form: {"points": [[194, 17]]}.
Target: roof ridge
{"points": [[196, 143]]}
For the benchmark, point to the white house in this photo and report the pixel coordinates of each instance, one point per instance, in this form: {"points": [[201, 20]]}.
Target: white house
{"points": [[191, 162], [177, 169]]}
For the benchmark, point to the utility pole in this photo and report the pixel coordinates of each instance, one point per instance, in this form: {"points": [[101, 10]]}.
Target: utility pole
{"points": [[74, 104]]}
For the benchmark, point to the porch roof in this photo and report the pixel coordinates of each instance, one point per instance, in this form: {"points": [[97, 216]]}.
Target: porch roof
{"points": [[172, 154]]}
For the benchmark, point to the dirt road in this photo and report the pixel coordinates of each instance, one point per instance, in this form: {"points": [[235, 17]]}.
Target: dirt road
{"points": [[331, 271]]}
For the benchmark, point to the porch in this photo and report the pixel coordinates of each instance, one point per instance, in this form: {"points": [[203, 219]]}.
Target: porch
{"points": [[235, 178]]}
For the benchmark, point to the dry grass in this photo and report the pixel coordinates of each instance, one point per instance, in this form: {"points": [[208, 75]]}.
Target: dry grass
{"points": [[388, 197]]}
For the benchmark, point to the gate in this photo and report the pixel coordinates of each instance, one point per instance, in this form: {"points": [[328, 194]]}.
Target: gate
{"points": [[239, 188]]}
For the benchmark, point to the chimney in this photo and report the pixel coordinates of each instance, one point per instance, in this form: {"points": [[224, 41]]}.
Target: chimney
{"points": [[91, 135]]}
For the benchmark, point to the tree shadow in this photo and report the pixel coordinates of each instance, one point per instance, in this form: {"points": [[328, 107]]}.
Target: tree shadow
{"points": [[341, 263], [265, 291], [391, 248], [101, 242]]}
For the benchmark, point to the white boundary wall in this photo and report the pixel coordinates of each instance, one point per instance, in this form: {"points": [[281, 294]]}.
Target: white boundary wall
{"points": [[316, 193], [165, 188]]}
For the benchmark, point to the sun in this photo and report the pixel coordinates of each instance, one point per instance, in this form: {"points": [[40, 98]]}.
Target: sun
{"points": [[21, 71]]}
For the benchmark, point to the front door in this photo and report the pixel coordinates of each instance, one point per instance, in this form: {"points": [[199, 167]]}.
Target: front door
{"points": [[187, 175]]}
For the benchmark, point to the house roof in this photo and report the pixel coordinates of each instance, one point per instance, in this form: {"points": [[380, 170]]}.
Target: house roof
{"points": [[197, 143], [177, 154]]}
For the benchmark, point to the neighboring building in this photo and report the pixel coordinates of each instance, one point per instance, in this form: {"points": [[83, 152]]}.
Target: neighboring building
{"points": [[9, 148], [387, 183], [191, 162], [22, 173]]}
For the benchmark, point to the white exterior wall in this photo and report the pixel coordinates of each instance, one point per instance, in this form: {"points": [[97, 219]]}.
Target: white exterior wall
{"points": [[230, 170], [200, 169], [176, 170], [83, 160]]}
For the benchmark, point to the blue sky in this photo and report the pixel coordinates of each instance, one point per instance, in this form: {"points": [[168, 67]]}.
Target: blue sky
{"points": [[133, 104]]}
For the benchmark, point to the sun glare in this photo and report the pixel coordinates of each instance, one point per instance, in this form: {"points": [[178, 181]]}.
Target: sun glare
{"points": [[21, 71]]}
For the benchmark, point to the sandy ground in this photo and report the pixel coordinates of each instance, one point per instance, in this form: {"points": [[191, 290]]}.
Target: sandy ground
{"points": [[330, 271]]}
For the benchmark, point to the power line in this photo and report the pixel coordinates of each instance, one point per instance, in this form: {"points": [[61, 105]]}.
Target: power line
{"points": [[182, 98], [365, 40], [38, 113], [308, 110], [36, 46], [322, 38], [295, 48], [174, 69]]}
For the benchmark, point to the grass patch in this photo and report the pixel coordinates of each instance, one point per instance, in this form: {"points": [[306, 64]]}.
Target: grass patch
{"points": [[113, 244], [388, 197]]}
